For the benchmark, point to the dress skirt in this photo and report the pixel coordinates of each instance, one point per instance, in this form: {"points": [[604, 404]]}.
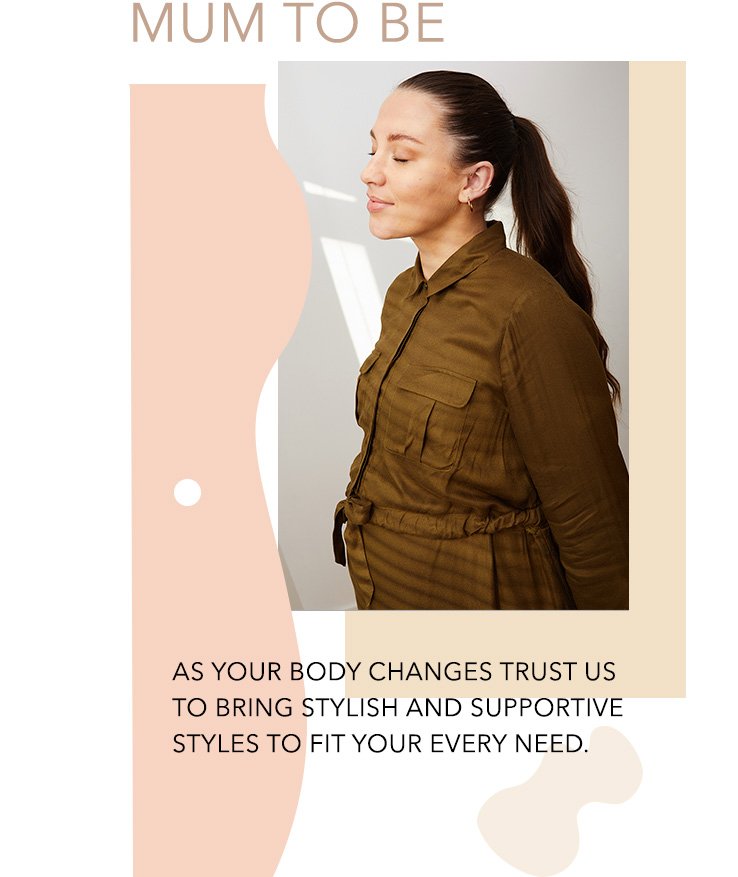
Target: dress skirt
{"points": [[513, 568]]}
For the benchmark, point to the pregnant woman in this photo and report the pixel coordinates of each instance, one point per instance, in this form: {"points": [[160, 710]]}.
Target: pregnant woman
{"points": [[490, 475]]}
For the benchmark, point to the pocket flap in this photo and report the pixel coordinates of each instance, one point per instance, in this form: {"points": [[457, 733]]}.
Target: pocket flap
{"points": [[369, 361], [439, 384]]}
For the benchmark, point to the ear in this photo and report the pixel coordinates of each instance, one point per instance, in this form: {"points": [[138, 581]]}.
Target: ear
{"points": [[478, 179]]}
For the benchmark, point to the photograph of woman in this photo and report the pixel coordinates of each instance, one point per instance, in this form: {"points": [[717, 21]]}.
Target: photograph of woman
{"points": [[489, 476]]}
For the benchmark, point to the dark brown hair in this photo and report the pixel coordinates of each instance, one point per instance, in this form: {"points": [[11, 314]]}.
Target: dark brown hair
{"points": [[485, 130]]}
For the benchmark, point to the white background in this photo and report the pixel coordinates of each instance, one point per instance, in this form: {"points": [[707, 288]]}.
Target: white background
{"points": [[65, 480]]}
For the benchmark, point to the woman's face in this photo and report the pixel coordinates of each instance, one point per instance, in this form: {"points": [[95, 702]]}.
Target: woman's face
{"points": [[413, 183]]}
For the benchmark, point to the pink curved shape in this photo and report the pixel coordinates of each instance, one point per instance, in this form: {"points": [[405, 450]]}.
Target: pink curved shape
{"points": [[220, 266]]}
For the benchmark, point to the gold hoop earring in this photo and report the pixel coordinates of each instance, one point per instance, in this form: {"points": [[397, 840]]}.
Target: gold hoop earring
{"points": [[471, 206]]}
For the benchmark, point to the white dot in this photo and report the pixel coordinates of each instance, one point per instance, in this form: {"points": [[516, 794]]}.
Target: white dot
{"points": [[187, 491]]}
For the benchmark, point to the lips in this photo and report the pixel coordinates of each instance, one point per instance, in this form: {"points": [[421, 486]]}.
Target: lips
{"points": [[374, 205]]}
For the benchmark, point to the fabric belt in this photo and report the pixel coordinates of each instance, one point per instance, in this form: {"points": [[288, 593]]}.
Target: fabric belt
{"points": [[451, 526]]}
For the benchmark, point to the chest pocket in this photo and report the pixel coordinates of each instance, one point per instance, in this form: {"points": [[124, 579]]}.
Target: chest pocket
{"points": [[426, 416], [366, 390]]}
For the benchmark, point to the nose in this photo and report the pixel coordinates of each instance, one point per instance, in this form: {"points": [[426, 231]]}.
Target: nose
{"points": [[373, 173]]}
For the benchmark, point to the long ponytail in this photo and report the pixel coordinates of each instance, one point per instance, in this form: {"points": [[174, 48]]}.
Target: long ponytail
{"points": [[485, 130], [544, 225]]}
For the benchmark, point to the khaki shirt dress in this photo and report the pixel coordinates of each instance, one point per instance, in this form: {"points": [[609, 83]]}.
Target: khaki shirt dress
{"points": [[490, 475]]}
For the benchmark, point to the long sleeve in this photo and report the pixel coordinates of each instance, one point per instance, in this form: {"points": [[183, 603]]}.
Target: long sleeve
{"points": [[563, 422]]}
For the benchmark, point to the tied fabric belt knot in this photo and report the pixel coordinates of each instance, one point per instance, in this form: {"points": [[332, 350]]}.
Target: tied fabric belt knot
{"points": [[353, 509], [356, 510]]}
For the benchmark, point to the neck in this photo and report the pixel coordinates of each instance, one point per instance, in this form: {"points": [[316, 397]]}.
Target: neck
{"points": [[436, 247]]}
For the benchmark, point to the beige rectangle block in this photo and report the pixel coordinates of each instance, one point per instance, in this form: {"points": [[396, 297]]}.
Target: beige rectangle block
{"points": [[647, 642]]}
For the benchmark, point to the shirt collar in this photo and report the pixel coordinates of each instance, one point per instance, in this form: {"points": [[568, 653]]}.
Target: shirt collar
{"points": [[468, 257]]}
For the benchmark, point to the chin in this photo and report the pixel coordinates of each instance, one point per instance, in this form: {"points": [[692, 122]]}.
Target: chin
{"points": [[384, 233]]}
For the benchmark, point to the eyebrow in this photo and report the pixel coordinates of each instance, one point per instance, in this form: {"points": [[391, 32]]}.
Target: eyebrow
{"points": [[395, 137]]}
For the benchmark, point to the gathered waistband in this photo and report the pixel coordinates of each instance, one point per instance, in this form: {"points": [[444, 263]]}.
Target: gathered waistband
{"points": [[449, 526]]}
